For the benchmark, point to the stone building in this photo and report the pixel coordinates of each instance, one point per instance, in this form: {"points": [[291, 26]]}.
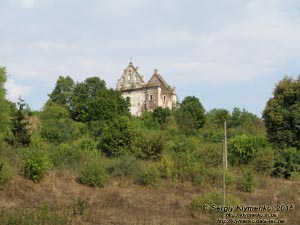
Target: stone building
{"points": [[145, 96]]}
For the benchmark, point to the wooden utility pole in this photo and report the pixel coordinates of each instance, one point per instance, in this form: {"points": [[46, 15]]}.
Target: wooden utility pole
{"points": [[225, 144], [224, 164]]}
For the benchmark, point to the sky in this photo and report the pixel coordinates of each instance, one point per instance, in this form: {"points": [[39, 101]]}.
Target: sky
{"points": [[227, 53]]}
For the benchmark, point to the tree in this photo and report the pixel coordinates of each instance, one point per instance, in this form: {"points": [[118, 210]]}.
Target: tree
{"points": [[57, 126], [213, 129], [243, 149], [190, 116], [161, 114], [282, 114], [243, 118], [4, 104], [20, 125], [61, 95], [92, 101], [216, 117], [118, 137]]}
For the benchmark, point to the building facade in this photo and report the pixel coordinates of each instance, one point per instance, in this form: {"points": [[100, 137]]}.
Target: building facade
{"points": [[145, 96]]}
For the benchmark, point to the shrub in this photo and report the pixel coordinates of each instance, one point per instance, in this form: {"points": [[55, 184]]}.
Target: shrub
{"points": [[185, 144], [243, 148], [80, 206], [167, 167], [287, 162], [42, 215], [85, 143], [264, 161], [230, 178], [212, 198], [71, 156], [148, 175], [6, 173], [295, 176], [117, 138], [93, 173], [151, 145], [66, 156], [247, 182], [122, 166], [186, 165], [36, 163]]}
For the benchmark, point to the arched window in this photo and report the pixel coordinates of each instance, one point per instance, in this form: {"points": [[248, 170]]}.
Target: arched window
{"points": [[150, 97], [164, 98]]}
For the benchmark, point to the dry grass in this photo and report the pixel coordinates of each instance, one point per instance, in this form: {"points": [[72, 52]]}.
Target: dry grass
{"points": [[122, 202]]}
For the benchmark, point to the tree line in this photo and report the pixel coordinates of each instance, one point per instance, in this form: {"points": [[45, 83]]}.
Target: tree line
{"points": [[92, 117]]}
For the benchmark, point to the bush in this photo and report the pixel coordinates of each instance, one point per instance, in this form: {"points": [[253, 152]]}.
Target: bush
{"points": [[85, 143], [6, 173], [148, 175], [167, 167], [247, 182], [36, 163], [122, 166], [287, 162], [42, 215], [66, 156], [151, 145], [93, 173], [244, 148], [117, 138], [264, 161], [212, 198], [185, 144], [186, 166], [295, 176]]}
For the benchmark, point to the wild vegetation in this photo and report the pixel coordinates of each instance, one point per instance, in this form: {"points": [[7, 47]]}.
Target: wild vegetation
{"points": [[83, 159]]}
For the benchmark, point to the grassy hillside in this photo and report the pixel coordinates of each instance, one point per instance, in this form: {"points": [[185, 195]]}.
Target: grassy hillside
{"points": [[85, 160], [59, 199]]}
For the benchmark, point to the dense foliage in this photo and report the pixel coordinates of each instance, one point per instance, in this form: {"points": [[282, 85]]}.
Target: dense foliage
{"points": [[86, 127], [282, 114], [4, 106], [20, 125], [191, 115]]}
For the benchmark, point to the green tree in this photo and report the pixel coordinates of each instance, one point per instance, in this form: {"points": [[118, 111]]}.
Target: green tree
{"points": [[245, 122], [57, 126], [191, 115], [61, 95], [216, 117], [213, 129], [4, 105], [161, 114], [147, 121], [118, 137], [20, 125], [287, 162], [151, 144], [282, 114], [243, 149], [92, 101]]}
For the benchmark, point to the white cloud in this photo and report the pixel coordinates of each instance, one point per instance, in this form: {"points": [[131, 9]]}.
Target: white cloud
{"points": [[28, 4], [14, 91], [239, 45]]}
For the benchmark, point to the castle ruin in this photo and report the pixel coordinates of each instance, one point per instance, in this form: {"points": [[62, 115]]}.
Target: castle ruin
{"points": [[145, 96]]}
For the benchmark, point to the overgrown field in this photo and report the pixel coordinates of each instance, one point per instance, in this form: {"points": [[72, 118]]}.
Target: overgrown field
{"points": [[83, 159], [132, 191]]}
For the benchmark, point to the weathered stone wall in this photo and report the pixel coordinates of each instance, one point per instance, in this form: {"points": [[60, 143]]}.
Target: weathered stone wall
{"points": [[130, 79], [137, 100]]}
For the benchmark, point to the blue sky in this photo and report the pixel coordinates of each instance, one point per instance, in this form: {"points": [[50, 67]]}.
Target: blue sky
{"points": [[228, 53]]}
